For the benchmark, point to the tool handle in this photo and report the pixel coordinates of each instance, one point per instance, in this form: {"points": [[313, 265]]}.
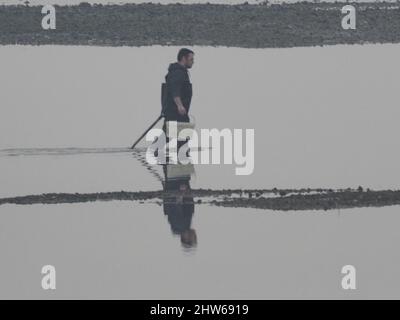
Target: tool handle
{"points": [[152, 125]]}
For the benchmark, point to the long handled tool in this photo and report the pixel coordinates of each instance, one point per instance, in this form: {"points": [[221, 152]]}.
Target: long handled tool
{"points": [[151, 127], [163, 108]]}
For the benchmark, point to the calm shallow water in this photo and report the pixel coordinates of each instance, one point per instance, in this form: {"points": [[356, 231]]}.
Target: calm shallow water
{"points": [[323, 117], [127, 250]]}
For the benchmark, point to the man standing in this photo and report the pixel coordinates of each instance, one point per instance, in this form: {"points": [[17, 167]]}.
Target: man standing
{"points": [[178, 87], [176, 93]]}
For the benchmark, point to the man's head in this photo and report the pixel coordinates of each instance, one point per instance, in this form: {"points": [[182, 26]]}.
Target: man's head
{"points": [[186, 57], [189, 239]]}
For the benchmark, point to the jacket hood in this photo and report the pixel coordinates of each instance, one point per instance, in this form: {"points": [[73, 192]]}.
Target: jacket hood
{"points": [[176, 66]]}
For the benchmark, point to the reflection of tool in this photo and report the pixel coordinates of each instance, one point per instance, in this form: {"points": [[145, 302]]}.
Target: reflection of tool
{"points": [[179, 171]]}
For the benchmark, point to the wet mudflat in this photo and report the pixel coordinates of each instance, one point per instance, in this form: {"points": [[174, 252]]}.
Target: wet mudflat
{"points": [[244, 25]]}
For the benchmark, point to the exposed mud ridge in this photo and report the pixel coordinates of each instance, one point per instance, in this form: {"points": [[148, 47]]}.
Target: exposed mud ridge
{"points": [[273, 199], [245, 25]]}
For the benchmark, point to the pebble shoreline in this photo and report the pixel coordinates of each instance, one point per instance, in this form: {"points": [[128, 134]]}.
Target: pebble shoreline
{"points": [[245, 25], [282, 199]]}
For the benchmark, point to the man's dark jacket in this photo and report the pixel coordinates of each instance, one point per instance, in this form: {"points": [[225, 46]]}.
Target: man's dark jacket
{"points": [[177, 85]]}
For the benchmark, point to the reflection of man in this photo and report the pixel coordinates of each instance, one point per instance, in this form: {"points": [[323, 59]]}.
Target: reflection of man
{"points": [[179, 207]]}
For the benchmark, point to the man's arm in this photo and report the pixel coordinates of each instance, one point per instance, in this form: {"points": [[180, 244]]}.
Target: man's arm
{"points": [[181, 108], [176, 86]]}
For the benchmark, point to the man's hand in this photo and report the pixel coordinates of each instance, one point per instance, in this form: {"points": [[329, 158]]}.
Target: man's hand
{"points": [[181, 110], [179, 104]]}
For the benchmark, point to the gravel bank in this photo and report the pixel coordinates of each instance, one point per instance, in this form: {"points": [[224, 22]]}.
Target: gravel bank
{"points": [[249, 26], [282, 200]]}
